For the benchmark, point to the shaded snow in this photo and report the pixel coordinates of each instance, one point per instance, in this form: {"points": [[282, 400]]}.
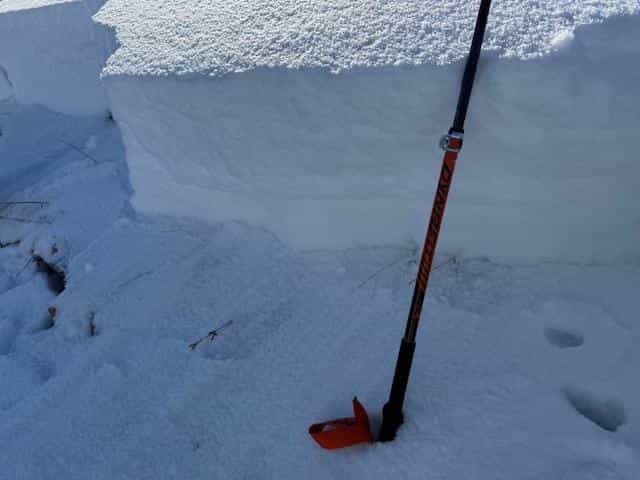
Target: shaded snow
{"points": [[221, 36], [51, 53], [6, 88], [46, 157]]}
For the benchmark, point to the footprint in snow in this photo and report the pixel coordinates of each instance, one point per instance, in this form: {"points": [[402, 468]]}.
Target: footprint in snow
{"points": [[561, 338], [607, 413]]}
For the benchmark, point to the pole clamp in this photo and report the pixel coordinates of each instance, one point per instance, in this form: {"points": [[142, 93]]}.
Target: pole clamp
{"points": [[452, 141]]}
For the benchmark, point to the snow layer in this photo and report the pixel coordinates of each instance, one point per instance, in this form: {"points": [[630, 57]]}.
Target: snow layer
{"points": [[521, 373], [549, 171], [221, 36], [51, 53]]}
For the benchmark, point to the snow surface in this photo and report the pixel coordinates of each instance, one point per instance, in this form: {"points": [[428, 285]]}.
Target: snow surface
{"points": [[520, 372], [549, 171], [17, 5], [222, 36], [51, 53]]}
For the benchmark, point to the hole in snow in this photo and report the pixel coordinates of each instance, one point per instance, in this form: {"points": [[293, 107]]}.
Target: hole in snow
{"points": [[563, 338], [56, 279], [609, 414], [93, 329]]}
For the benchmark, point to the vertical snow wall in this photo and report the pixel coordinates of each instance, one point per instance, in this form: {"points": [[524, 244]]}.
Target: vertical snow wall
{"points": [[52, 53], [550, 168]]}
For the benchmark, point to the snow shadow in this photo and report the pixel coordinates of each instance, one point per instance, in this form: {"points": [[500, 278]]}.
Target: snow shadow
{"points": [[562, 338], [609, 414]]}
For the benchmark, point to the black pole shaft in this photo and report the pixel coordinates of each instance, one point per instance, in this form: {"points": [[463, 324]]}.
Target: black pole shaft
{"points": [[392, 416], [470, 68]]}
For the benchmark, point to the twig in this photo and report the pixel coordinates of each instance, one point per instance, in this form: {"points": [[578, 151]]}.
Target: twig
{"points": [[451, 259], [80, 151], [380, 270], [24, 220], [211, 335], [35, 202], [9, 244]]}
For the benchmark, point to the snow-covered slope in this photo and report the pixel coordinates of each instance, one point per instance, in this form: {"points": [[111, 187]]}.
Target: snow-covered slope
{"points": [[51, 53], [549, 170]]}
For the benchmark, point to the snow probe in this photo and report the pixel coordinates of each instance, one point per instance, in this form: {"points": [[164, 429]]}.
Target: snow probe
{"points": [[350, 431]]}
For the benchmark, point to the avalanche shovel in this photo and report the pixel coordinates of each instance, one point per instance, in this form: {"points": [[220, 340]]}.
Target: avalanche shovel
{"points": [[344, 432]]}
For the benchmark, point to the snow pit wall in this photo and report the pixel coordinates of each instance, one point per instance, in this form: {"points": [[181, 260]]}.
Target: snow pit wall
{"points": [[549, 171], [51, 53]]}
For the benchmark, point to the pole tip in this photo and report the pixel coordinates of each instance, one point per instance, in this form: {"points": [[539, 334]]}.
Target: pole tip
{"points": [[392, 419]]}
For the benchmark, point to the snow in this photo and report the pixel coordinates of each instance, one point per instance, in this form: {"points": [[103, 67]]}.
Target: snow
{"points": [[51, 53], [217, 37], [286, 145], [289, 204], [344, 160], [562, 40], [6, 89], [521, 371]]}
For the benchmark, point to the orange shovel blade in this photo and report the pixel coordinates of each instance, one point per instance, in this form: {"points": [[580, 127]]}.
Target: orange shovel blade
{"points": [[343, 432]]}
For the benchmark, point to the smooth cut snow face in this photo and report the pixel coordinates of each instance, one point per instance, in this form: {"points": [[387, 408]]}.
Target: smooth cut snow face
{"points": [[222, 36], [549, 169]]}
